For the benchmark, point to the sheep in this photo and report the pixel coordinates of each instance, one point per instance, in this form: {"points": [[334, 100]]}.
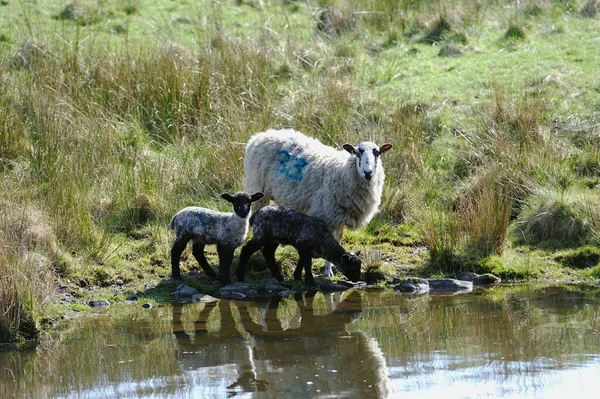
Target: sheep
{"points": [[343, 188], [205, 226], [274, 225]]}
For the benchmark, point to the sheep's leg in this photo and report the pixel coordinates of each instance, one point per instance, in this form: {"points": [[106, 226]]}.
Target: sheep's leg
{"points": [[198, 251], [247, 251], [305, 262], [328, 272], [225, 258], [176, 252], [269, 254]]}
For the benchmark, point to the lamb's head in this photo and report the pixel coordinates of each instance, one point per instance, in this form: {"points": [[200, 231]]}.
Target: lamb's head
{"points": [[350, 265], [367, 157], [241, 202]]}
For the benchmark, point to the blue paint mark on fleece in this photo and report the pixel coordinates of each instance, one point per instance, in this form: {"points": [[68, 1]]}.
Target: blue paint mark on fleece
{"points": [[291, 166]]}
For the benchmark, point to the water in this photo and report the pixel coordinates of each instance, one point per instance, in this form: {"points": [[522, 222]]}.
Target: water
{"points": [[506, 342]]}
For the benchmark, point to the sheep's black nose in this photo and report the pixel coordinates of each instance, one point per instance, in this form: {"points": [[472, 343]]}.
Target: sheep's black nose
{"points": [[368, 175]]}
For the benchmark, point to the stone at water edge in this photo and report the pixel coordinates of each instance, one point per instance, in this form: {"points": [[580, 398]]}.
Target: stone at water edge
{"points": [[329, 286], [412, 285], [449, 285], [203, 298]]}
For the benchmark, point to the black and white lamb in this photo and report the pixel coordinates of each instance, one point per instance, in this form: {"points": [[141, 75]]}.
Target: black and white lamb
{"points": [[274, 225], [204, 226], [343, 188]]}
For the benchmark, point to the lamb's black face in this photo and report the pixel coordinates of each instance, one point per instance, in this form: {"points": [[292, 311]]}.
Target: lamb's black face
{"points": [[241, 202], [351, 266]]}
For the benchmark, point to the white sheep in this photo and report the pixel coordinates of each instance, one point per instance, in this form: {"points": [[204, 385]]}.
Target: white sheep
{"points": [[343, 188], [204, 226], [275, 225]]}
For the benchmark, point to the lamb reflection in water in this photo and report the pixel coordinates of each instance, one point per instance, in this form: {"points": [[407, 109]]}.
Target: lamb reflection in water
{"points": [[281, 347]]}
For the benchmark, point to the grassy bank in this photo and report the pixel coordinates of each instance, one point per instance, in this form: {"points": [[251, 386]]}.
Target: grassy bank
{"points": [[114, 115]]}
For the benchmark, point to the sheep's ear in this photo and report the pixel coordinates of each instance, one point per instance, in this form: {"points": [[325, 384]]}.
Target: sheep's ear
{"points": [[385, 148], [227, 197], [349, 148], [357, 253], [256, 196]]}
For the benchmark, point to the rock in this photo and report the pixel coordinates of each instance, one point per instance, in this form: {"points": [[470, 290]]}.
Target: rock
{"points": [[203, 298], [237, 290], [329, 286], [412, 285], [479, 279], [486, 279], [147, 306], [351, 284], [449, 285], [273, 288], [183, 293], [233, 295], [285, 293], [102, 303]]}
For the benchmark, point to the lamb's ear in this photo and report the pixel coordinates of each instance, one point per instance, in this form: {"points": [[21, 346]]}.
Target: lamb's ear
{"points": [[357, 253], [227, 197], [256, 196], [385, 148], [349, 148]]}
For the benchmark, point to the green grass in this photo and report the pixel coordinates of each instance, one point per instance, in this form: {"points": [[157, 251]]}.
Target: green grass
{"points": [[114, 115]]}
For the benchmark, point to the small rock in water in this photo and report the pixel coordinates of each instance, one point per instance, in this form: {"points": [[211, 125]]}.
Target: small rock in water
{"points": [[449, 285], [285, 293], [273, 288], [237, 290], [351, 284], [479, 279], [147, 306], [203, 298], [183, 293], [330, 286], [102, 303], [412, 285]]}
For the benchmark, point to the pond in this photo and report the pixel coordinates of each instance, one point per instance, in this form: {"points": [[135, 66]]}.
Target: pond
{"points": [[533, 341]]}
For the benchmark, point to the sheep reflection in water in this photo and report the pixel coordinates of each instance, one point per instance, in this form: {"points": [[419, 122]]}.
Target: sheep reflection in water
{"points": [[295, 353]]}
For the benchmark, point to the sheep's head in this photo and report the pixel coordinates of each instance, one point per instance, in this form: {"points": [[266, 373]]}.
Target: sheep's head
{"points": [[350, 265], [241, 202], [367, 157]]}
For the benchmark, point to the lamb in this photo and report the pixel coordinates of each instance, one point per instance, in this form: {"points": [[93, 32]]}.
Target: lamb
{"points": [[205, 226], [274, 225], [343, 188]]}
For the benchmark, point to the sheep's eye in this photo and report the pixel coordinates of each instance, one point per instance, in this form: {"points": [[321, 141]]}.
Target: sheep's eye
{"points": [[375, 152], [361, 151]]}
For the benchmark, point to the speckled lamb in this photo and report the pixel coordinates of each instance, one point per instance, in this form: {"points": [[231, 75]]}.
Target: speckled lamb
{"points": [[274, 225], [204, 226], [341, 187]]}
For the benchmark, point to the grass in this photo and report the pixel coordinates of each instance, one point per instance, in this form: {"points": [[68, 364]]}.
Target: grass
{"points": [[114, 115]]}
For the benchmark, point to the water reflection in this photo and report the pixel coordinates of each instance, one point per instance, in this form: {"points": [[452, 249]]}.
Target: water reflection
{"points": [[505, 342], [283, 348]]}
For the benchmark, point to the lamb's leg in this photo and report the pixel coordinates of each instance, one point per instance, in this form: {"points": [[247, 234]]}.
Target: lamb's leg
{"points": [[198, 251], [305, 261], [176, 251], [247, 251], [269, 254], [328, 271], [225, 258]]}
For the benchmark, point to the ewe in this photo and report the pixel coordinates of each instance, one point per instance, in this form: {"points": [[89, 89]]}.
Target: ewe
{"points": [[205, 226], [343, 188]]}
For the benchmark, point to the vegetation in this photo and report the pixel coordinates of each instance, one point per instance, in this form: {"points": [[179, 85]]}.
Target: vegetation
{"points": [[116, 114]]}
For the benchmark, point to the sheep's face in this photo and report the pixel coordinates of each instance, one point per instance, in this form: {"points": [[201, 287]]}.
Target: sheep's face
{"points": [[367, 158], [241, 202], [350, 265]]}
